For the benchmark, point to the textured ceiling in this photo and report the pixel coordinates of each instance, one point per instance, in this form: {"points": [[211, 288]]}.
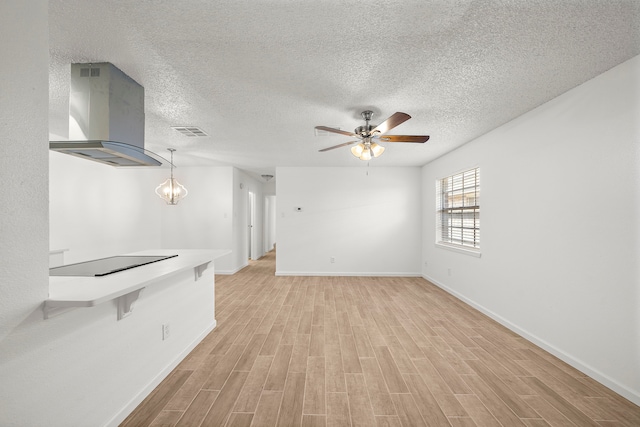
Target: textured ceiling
{"points": [[258, 75]]}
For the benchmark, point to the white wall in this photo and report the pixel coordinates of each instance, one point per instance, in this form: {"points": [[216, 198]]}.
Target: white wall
{"points": [[369, 223], [269, 187], [24, 82], [559, 240], [214, 215], [203, 219], [97, 210]]}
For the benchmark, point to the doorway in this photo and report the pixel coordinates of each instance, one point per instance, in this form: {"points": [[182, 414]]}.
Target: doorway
{"points": [[251, 221], [269, 223]]}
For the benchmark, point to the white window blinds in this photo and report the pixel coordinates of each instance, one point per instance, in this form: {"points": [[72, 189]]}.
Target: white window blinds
{"points": [[458, 209]]}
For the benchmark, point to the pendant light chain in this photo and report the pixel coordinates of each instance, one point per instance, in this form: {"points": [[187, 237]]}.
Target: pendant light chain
{"points": [[171, 150]]}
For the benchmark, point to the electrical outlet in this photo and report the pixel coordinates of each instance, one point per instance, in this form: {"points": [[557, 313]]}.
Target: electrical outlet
{"points": [[332, 260], [166, 332], [426, 263], [449, 271]]}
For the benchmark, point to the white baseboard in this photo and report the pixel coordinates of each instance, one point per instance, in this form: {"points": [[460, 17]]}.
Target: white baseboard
{"points": [[627, 393], [343, 273], [136, 400], [230, 272]]}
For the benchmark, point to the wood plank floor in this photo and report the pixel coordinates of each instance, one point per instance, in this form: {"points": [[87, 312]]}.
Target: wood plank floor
{"points": [[360, 351]]}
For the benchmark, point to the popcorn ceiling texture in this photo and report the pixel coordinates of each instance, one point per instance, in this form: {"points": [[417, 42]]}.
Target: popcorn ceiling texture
{"points": [[257, 76]]}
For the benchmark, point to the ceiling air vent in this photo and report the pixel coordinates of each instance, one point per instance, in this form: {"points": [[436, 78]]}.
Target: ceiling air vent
{"points": [[190, 130], [86, 72]]}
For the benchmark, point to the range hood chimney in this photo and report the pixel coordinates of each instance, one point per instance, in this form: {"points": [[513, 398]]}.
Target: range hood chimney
{"points": [[106, 117]]}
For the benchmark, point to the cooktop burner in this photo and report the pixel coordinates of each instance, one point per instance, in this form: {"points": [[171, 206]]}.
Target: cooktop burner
{"points": [[105, 266]]}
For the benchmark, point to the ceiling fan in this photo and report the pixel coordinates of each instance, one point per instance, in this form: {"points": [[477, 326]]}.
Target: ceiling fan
{"points": [[369, 134]]}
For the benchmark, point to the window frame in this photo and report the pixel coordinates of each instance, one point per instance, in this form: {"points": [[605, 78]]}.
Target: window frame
{"points": [[463, 213]]}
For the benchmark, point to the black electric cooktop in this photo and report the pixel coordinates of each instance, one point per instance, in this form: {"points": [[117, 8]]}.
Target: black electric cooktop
{"points": [[106, 266]]}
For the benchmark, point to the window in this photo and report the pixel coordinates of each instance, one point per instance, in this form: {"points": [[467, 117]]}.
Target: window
{"points": [[458, 209]]}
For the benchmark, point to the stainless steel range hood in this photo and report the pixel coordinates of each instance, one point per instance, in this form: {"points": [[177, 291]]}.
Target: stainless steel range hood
{"points": [[106, 118]]}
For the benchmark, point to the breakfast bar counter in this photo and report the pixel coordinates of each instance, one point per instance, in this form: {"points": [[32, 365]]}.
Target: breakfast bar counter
{"points": [[125, 286]]}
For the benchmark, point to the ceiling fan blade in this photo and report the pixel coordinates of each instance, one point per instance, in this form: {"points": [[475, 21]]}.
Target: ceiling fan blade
{"points": [[338, 146], [403, 138], [334, 130], [391, 122]]}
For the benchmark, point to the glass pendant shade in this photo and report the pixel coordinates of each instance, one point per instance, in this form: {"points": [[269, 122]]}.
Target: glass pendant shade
{"points": [[376, 149], [171, 191], [357, 150]]}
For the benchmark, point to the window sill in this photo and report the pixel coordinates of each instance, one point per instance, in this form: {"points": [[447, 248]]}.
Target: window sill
{"points": [[460, 249]]}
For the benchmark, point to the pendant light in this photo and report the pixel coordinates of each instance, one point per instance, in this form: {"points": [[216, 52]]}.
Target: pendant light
{"points": [[171, 191]]}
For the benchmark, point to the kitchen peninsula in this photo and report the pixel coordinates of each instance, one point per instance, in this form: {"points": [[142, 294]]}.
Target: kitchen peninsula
{"points": [[109, 341], [125, 286]]}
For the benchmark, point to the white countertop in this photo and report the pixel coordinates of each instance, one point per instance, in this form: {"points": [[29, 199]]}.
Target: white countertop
{"points": [[67, 291]]}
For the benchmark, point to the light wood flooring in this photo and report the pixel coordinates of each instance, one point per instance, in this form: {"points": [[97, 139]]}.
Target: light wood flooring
{"points": [[361, 351]]}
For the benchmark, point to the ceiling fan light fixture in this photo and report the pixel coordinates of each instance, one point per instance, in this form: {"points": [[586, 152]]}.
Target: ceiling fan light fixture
{"points": [[365, 151], [366, 154], [357, 150], [376, 149]]}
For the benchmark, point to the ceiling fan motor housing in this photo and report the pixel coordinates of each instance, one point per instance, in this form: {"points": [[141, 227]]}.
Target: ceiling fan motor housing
{"points": [[364, 131]]}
